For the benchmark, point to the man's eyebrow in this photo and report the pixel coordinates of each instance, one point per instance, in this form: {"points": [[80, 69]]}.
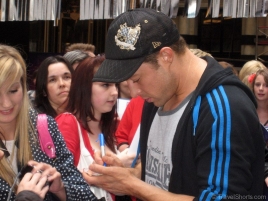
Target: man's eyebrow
{"points": [[133, 76]]}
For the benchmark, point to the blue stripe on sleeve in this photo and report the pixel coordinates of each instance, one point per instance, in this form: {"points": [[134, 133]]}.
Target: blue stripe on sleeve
{"points": [[220, 140], [220, 146], [228, 141], [196, 112], [213, 145]]}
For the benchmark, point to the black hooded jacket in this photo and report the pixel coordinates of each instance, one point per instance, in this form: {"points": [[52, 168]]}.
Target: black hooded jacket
{"points": [[218, 147]]}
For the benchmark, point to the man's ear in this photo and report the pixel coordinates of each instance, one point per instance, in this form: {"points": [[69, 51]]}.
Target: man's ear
{"points": [[166, 54]]}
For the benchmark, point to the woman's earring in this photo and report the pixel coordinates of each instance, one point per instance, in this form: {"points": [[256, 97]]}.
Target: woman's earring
{"points": [[44, 93]]}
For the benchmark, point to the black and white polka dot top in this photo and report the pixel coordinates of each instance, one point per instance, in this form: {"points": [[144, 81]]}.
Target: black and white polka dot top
{"points": [[75, 185]]}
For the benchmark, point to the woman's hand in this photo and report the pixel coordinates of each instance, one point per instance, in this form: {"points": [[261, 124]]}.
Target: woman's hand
{"points": [[34, 182], [53, 178]]}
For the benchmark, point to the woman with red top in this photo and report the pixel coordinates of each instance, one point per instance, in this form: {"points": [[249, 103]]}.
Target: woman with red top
{"points": [[92, 104], [92, 107]]}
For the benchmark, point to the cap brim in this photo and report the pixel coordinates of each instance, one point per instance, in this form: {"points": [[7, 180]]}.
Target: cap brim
{"points": [[115, 71]]}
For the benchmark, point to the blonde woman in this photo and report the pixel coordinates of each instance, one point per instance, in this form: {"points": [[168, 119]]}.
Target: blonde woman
{"points": [[20, 143], [248, 69]]}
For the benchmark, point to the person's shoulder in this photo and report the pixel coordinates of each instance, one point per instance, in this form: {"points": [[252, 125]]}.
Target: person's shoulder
{"points": [[32, 110], [243, 95], [65, 117], [33, 113]]}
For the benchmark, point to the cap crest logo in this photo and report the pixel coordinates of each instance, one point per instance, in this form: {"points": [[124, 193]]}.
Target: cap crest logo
{"points": [[156, 44], [127, 37]]}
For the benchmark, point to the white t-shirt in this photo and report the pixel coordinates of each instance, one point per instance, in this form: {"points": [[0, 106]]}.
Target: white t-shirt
{"points": [[9, 146], [158, 159]]}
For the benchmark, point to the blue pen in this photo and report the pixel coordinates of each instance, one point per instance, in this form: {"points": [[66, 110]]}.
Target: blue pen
{"points": [[102, 145]]}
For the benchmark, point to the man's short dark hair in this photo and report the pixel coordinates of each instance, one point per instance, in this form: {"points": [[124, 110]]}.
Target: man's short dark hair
{"points": [[178, 47]]}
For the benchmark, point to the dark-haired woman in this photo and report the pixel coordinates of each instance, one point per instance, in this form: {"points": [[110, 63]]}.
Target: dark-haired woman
{"points": [[91, 108], [53, 81]]}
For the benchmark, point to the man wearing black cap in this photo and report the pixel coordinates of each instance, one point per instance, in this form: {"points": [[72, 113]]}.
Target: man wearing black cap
{"points": [[200, 136]]}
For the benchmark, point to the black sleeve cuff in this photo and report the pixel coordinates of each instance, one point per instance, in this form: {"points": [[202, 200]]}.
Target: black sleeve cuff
{"points": [[27, 196]]}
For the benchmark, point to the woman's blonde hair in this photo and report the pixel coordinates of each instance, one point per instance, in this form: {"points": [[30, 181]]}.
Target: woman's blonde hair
{"points": [[249, 68], [12, 66]]}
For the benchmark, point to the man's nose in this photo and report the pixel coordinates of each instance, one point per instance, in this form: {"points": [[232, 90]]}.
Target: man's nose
{"points": [[134, 90]]}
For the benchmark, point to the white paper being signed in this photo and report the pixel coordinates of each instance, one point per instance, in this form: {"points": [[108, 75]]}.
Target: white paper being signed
{"points": [[121, 106], [135, 142]]}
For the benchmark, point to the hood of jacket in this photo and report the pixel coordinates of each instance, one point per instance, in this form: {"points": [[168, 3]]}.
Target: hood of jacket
{"points": [[215, 75]]}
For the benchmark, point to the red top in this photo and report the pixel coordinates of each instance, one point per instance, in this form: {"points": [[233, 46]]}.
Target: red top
{"points": [[130, 121], [68, 127]]}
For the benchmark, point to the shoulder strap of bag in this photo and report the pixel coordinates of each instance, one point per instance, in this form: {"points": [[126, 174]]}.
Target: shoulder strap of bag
{"points": [[46, 142], [82, 144]]}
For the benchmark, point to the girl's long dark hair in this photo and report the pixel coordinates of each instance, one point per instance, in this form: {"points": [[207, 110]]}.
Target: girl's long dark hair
{"points": [[80, 100], [41, 101]]}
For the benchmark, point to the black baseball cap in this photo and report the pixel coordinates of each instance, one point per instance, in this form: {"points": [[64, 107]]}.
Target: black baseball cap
{"points": [[131, 37]]}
